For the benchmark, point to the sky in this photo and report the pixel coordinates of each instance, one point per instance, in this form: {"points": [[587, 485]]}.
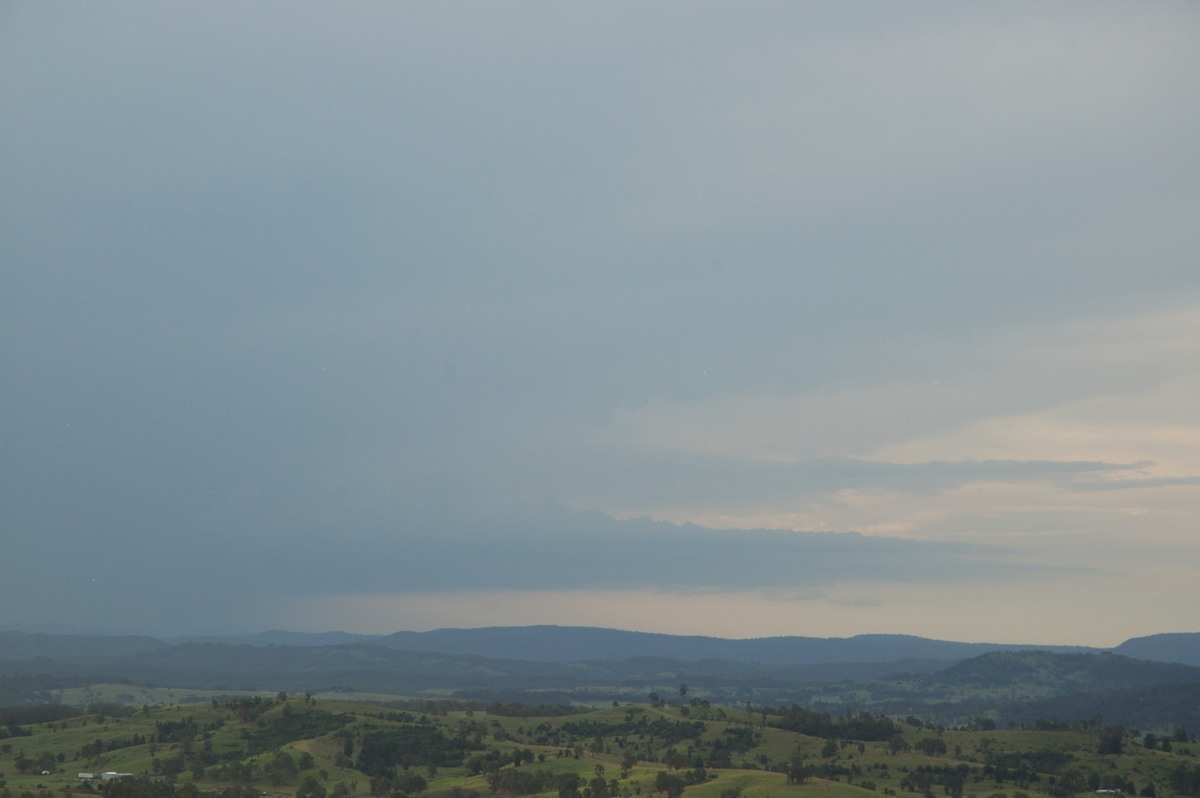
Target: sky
{"points": [[779, 318]]}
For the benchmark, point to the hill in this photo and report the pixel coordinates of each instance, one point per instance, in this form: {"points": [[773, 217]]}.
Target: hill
{"points": [[560, 644], [1025, 687], [1027, 673], [1174, 647], [1162, 709], [1004, 685], [310, 747], [572, 643], [27, 645]]}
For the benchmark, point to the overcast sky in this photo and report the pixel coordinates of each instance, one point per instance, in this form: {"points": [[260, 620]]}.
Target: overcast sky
{"points": [[730, 319]]}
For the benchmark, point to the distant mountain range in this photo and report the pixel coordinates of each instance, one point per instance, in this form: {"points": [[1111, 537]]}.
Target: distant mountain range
{"points": [[1171, 647], [569, 644], [566, 644], [894, 674], [575, 643]]}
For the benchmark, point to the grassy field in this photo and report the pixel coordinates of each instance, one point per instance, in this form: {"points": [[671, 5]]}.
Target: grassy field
{"points": [[312, 747], [139, 696], [165, 696]]}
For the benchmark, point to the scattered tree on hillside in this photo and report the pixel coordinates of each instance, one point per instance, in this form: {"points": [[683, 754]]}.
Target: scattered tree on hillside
{"points": [[1112, 741], [931, 746]]}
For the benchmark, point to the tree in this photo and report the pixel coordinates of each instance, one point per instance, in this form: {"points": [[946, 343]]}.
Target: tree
{"points": [[675, 760], [282, 769], [798, 772], [310, 788], [567, 785], [171, 766], [952, 783], [669, 784], [931, 746], [1069, 783], [1112, 741], [410, 783]]}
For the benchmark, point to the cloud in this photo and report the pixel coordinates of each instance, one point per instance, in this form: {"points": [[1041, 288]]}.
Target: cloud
{"points": [[326, 299], [555, 549], [663, 484]]}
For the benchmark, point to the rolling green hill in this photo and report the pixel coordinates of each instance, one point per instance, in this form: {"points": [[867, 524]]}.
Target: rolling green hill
{"points": [[309, 747]]}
